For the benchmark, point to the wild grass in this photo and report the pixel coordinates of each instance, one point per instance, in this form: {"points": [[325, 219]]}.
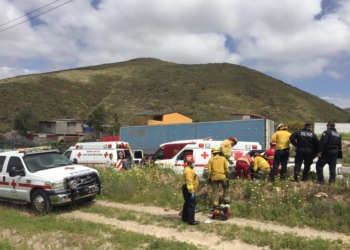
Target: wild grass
{"points": [[227, 232], [294, 204], [322, 207], [345, 136], [148, 185], [299, 204], [20, 231]]}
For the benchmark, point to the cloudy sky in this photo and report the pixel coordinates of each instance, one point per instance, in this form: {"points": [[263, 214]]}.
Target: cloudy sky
{"points": [[303, 43]]}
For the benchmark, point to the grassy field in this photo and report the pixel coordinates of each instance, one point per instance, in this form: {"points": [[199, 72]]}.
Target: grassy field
{"points": [[321, 207]]}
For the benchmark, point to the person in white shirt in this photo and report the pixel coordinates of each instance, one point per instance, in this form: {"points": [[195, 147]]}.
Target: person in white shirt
{"points": [[110, 163]]}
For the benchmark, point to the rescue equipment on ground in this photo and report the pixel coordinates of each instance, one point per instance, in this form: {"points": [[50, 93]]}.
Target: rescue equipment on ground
{"points": [[222, 211]]}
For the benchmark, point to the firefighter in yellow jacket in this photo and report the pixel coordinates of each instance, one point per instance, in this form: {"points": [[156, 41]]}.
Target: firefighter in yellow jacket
{"points": [[281, 138], [261, 167], [226, 146], [188, 190], [218, 173]]}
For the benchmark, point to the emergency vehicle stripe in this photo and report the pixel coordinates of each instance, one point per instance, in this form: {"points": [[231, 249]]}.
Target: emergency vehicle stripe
{"points": [[33, 186], [196, 165], [25, 185], [119, 165], [89, 162]]}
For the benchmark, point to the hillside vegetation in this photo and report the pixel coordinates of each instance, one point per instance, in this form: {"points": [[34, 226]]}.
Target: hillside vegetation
{"points": [[205, 92]]}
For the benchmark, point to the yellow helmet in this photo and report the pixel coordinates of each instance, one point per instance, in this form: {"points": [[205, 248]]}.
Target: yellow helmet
{"points": [[282, 126], [215, 150]]}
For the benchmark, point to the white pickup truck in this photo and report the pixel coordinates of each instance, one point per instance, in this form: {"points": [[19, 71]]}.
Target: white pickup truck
{"points": [[338, 169], [45, 178]]}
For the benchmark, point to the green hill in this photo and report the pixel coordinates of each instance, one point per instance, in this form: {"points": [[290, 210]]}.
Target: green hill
{"points": [[205, 92]]}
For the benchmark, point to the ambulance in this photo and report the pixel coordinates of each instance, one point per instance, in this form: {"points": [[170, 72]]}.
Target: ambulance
{"points": [[95, 154], [45, 178], [172, 154]]}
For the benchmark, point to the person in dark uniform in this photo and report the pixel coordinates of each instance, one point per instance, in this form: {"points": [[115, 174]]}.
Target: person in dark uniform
{"points": [[328, 149], [306, 145]]}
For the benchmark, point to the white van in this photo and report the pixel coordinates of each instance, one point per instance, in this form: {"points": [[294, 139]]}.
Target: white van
{"points": [[95, 154], [201, 150]]}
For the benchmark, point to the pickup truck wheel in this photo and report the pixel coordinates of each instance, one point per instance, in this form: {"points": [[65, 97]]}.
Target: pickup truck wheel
{"points": [[41, 202], [91, 198]]}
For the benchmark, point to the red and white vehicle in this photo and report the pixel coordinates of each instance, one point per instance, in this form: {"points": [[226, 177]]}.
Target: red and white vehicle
{"points": [[95, 154], [45, 178], [172, 154]]}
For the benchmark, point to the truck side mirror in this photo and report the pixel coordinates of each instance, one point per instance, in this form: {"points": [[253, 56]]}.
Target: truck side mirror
{"points": [[75, 161], [14, 172]]}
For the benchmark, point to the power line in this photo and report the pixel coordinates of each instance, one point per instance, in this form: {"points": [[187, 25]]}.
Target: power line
{"points": [[28, 13], [35, 16]]}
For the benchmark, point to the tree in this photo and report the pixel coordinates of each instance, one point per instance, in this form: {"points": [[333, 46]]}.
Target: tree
{"points": [[24, 121], [296, 125], [117, 125], [97, 118]]}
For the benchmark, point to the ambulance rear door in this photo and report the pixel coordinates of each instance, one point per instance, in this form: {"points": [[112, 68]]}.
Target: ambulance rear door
{"points": [[201, 157], [179, 159]]}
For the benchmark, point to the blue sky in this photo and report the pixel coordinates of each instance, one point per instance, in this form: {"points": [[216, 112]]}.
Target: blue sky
{"points": [[303, 43]]}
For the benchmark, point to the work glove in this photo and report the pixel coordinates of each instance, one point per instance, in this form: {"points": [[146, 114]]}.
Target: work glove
{"points": [[192, 196]]}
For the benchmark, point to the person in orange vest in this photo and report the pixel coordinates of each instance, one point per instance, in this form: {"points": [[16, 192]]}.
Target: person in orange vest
{"points": [[281, 138], [243, 166], [261, 167], [188, 191]]}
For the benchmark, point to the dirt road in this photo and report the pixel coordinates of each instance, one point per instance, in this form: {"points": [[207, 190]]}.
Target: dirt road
{"points": [[195, 237]]}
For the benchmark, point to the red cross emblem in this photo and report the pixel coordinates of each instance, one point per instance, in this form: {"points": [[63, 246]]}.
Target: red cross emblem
{"points": [[120, 154], [69, 168], [204, 155], [79, 154], [13, 184], [106, 154]]}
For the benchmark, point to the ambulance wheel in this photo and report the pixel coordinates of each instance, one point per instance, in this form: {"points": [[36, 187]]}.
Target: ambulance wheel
{"points": [[41, 202]]}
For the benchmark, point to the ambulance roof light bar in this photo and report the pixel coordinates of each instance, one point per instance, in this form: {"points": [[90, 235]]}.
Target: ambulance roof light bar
{"points": [[35, 149], [123, 145]]}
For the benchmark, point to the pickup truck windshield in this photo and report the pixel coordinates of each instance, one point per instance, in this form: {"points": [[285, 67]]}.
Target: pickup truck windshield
{"points": [[42, 161]]}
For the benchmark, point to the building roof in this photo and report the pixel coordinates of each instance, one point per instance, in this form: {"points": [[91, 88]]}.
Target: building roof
{"points": [[147, 113], [247, 114], [64, 120]]}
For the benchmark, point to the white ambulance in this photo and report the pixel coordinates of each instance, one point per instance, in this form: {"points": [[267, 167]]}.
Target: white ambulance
{"points": [[45, 178], [172, 154], [95, 154]]}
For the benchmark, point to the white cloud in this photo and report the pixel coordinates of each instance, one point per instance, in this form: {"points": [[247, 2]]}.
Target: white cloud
{"points": [[338, 101], [334, 74], [9, 72], [282, 37]]}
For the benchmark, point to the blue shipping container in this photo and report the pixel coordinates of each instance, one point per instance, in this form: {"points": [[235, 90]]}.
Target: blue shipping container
{"points": [[148, 138]]}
